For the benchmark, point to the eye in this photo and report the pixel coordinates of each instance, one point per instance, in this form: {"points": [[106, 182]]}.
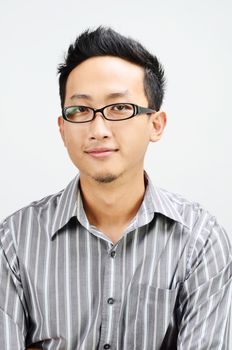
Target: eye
{"points": [[78, 113], [76, 110], [81, 109], [119, 107], [122, 107]]}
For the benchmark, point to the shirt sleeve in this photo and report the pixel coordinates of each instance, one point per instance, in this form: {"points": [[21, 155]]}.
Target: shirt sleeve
{"points": [[12, 305], [205, 296]]}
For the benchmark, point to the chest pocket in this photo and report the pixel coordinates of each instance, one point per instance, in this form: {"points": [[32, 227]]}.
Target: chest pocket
{"points": [[146, 316]]}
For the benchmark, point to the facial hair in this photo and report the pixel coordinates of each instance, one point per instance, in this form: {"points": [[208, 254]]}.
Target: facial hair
{"points": [[105, 179]]}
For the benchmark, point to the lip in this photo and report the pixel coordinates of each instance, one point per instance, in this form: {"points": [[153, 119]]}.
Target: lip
{"points": [[101, 152]]}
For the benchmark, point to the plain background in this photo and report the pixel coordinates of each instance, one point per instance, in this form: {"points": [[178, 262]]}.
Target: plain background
{"points": [[193, 40]]}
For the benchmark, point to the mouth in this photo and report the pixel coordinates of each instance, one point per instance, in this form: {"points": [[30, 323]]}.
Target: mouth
{"points": [[101, 152]]}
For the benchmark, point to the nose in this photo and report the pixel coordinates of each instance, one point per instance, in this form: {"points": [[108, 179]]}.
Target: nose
{"points": [[99, 127]]}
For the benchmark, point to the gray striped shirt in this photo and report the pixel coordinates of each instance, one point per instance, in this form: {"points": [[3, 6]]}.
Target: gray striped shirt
{"points": [[164, 285]]}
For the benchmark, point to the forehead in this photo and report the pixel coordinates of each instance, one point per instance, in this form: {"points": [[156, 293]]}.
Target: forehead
{"points": [[105, 74]]}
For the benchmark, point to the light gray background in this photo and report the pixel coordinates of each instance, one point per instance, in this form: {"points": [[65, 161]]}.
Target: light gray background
{"points": [[194, 42]]}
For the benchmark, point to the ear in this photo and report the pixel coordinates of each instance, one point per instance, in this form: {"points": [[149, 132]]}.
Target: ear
{"points": [[158, 122], [60, 121]]}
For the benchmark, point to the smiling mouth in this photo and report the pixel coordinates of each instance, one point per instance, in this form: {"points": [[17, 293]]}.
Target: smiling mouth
{"points": [[101, 152]]}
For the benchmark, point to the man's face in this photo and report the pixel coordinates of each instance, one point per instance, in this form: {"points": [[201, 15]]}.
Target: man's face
{"points": [[106, 150]]}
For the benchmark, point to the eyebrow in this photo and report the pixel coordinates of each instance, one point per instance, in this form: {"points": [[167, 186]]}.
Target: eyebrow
{"points": [[81, 96], [109, 96]]}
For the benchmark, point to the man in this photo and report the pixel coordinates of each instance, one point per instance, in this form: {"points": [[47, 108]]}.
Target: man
{"points": [[112, 262]]}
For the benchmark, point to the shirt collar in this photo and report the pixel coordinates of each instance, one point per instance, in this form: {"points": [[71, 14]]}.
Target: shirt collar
{"points": [[163, 202], [66, 206], [156, 200]]}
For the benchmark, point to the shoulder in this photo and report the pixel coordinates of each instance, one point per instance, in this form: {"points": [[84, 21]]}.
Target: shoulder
{"points": [[189, 212], [35, 207], [32, 214], [201, 226], [207, 243]]}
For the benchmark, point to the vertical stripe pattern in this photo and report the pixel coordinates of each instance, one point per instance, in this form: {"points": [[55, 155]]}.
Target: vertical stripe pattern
{"points": [[166, 284]]}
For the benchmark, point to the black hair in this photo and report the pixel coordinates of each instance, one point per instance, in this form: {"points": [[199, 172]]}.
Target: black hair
{"points": [[104, 41]]}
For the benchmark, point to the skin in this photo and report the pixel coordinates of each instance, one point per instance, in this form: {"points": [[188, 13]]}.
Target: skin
{"points": [[113, 178]]}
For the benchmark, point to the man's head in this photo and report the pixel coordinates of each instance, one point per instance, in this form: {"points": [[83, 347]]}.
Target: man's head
{"points": [[107, 42], [95, 76]]}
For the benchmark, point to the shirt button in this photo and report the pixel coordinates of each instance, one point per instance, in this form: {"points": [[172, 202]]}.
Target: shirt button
{"points": [[112, 254], [106, 346], [110, 301]]}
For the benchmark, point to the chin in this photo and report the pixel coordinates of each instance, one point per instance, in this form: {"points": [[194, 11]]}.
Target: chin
{"points": [[105, 179]]}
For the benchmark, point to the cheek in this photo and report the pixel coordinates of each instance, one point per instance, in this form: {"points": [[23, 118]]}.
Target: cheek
{"points": [[73, 137], [134, 142], [74, 147], [138, 133], [74, 143]]}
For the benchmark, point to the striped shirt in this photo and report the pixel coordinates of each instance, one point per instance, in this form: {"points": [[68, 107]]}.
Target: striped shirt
{"points": [[64, 285]]}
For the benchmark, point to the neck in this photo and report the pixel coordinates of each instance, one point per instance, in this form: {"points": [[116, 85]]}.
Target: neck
{"points": [[111, 206]]}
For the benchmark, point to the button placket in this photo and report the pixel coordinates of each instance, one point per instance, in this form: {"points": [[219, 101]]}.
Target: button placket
{"points": [[106, 346], [110, 301], [112, 254]]}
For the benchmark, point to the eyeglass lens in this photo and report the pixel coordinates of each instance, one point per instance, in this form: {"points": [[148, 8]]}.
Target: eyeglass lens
{"points": [[113, 112]]}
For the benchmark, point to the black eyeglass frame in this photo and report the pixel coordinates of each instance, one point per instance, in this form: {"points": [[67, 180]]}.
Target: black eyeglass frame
{"points": [[137, 110]]}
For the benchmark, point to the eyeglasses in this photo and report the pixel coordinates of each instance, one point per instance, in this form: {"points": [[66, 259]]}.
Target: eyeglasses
{"points": [[114, 112]]}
